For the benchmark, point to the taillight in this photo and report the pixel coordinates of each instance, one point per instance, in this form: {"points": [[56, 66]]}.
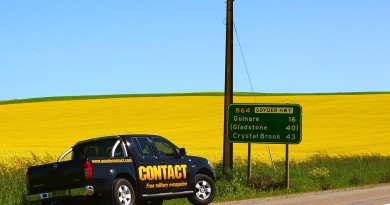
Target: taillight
{"points": [[88, 173], [27, 180]]}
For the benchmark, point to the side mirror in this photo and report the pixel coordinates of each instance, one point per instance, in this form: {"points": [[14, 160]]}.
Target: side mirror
{"points": [[182, 152]]}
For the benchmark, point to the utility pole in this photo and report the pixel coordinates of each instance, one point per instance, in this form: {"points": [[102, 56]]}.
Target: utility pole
{"points": [[228, 146]]}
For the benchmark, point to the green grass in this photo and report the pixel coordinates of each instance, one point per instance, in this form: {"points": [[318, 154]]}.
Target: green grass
{"points": [[318, 173], [88, 97], [13, 180]]}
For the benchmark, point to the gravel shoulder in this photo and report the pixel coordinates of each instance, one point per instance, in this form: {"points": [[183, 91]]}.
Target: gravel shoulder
{"points": [[378, 195]]}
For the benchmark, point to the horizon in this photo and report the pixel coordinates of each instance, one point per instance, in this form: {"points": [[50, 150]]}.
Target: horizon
{"points": [[183, 94]]}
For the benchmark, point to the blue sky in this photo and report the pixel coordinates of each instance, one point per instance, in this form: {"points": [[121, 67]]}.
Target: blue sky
{"points": [[59, 48]]}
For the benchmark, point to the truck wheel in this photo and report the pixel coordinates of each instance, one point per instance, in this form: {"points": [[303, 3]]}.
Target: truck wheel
{"points": [[204, 190], [123, 192]]}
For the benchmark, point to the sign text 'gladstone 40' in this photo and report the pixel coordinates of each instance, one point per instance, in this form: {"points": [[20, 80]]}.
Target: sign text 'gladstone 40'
{"points": [[265, 123]]}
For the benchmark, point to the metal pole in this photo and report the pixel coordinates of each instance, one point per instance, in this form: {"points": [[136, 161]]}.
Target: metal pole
{"points": [[249, 174], [228, 146], [287, 169]]}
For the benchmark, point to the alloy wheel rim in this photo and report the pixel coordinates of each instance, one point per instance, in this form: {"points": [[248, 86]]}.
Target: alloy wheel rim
{"points": [[203, 190], [124, 195]]}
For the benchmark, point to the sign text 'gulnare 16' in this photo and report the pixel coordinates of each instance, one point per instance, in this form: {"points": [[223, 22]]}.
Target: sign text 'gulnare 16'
{"points": [[265, 123]]}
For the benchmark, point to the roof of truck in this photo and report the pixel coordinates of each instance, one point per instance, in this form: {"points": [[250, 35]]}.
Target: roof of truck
{"points": [[115, 137]]}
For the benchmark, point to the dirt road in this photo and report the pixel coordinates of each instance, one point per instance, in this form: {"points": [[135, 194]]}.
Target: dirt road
{"points": [[377, 195]]}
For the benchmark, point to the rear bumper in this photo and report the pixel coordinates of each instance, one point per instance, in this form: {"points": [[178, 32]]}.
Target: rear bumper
{"points": [[82, 191]]}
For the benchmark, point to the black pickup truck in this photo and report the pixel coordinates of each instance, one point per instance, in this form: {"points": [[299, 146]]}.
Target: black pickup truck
{"points": [[122, 170]]}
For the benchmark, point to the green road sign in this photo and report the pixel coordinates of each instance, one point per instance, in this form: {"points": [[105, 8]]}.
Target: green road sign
{"points": [[265, 123]]}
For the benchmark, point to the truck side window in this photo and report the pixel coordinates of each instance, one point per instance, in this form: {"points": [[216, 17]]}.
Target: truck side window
{"points": [[143, 147], [165, 148]]}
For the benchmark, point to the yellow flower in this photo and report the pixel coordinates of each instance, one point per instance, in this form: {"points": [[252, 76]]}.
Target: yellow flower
{"points": [[332, 125], [319, 172]]}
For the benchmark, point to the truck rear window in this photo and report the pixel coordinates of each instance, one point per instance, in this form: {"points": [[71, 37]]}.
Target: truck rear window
{"points": [[97, 149]]}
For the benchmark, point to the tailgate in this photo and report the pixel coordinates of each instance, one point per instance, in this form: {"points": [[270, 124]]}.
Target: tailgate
{"points": [[56, 176]]}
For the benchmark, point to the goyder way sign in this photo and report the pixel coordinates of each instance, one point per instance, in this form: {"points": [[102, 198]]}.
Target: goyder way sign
{"points": [[265, 123]]}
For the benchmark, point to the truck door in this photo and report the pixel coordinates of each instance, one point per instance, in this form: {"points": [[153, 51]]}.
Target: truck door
{"points": [[175, 166], [147, 159]]}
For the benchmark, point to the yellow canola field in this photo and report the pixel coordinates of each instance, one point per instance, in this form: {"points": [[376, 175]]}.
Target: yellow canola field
{"points": [[332, 124]]}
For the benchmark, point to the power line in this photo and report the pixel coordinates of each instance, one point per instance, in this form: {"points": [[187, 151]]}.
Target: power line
{"points": [[243, 58], [250, 82]]}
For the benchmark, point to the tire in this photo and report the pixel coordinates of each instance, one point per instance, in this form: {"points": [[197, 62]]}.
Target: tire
{"points": [[204, 190], [123, 192]]}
